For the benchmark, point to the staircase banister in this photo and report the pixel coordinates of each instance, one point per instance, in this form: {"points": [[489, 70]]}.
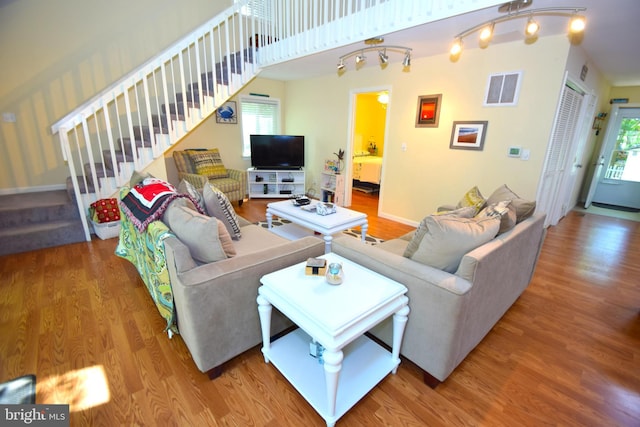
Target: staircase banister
{"points": [[148, 67]]}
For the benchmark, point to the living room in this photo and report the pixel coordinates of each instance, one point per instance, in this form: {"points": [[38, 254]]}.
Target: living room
{"points": [[428, 174]]}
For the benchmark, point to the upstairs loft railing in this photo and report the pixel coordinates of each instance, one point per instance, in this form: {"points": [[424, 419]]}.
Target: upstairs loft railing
{"points": [[138, 118]]}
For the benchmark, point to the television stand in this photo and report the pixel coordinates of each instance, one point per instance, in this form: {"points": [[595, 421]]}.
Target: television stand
{"points": [[275, 183]]}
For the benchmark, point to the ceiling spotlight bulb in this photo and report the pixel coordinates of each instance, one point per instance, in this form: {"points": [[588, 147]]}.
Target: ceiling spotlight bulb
{"points": [[487, 32], [360, 58], [341, 65], [383, 57], [532, 28], [406, 62], [577, 24], [456, 48]]}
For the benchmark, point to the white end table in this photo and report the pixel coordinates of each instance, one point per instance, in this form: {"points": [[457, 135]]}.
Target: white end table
{"points": [[336, 317], [327, 225]]}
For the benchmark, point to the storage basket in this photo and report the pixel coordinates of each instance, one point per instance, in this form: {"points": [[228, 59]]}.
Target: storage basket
{"points": [[106, 230]]}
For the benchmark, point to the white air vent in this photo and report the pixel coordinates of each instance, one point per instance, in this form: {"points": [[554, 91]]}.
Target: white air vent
{"points": [[503, 89]]}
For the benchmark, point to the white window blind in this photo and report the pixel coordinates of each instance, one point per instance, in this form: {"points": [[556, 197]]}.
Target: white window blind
{"points": [[260, 116]]}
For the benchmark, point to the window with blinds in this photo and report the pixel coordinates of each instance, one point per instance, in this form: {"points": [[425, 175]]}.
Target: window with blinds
{"points": [[260, 116]]}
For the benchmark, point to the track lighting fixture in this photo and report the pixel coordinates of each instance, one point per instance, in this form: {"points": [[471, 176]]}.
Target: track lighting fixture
{"points": [[382, 53], [532, 28], [513, 10], [406, 62], [383, 57]]}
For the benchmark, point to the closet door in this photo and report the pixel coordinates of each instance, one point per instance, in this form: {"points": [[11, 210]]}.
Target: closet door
{"points": [[552, 194]]}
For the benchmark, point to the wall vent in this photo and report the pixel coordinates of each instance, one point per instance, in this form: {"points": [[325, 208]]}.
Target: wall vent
{"points": [[503, 89]]}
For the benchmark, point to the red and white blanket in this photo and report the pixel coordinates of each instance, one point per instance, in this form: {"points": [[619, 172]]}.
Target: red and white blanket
{"points": [[148, 200]]}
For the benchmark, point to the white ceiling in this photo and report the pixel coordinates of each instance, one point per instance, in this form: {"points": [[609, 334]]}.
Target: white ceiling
{"points": [[611, 39]]}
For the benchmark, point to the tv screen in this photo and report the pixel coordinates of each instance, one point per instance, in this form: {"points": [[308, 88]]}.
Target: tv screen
{"points": [[277, 151]]}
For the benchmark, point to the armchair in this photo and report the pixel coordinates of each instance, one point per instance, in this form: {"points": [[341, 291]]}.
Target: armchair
{"points": [[199, 166]]}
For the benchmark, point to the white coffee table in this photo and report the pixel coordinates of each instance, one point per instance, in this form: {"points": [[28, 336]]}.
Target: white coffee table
{"points": [[335, 316], [327, 225]]}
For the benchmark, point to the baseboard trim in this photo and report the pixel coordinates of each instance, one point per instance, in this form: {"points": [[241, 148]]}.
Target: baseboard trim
{"points": [[24, 190]]}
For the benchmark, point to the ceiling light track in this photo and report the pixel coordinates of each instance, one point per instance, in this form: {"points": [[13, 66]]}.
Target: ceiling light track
{"points": [[382, 55], [486, 28]]}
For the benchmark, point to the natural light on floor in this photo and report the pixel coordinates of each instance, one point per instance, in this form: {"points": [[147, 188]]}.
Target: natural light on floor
{"points": [[80, 389]]}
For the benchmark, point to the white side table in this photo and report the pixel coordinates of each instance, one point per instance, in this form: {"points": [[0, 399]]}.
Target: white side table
{"points": [[336, 317]]}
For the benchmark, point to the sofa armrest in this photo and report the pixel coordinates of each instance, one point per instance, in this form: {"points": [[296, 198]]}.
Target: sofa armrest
{"points": [[198, 181]]}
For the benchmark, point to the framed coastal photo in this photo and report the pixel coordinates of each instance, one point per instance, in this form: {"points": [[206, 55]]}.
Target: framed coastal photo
{"points": [[468, 135], [227, 113], [428, 113]]}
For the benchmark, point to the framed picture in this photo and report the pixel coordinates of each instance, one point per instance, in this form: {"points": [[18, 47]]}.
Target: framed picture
{"points": [[428, 113], [468, 135], [227, 113]]}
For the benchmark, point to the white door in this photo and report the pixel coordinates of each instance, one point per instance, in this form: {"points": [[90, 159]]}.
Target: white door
{"points": [[561, 153], [617, 181]]}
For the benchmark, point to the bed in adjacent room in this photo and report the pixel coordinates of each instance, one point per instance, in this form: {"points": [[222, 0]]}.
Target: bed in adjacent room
{"points": [[367, 173]]}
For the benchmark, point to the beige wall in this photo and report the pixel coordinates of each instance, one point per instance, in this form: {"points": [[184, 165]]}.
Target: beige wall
{"points": [[57, 54], [428, 173]]}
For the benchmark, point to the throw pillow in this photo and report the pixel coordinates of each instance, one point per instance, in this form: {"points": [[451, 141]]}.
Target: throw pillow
{"points": [[504, 210], [209, 164], [524, 208], [422, 229], [198, 232], [218, 205], [185, 187], [450, 238], [472, 198]]}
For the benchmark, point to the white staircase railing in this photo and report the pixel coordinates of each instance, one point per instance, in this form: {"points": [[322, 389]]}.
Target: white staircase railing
{"points": [[138, 118]]}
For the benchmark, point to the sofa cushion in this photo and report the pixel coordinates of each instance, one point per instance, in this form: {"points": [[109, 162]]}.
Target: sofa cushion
{"points": [[200, 233], [209, 164], [466, 212], [472, 198], [504, 210], [218, 205], [449, 238], [524, 208], [185, 187]]}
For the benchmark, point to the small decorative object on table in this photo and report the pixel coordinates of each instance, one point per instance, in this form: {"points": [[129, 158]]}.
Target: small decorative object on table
{"points": [[325, 208], [315, 267], [335, 273]]}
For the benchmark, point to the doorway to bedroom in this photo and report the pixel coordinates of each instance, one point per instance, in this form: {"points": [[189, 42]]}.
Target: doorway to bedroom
{"points": [[368, 128]]}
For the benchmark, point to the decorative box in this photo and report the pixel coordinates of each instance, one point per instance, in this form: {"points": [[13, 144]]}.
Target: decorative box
{"points": [[325, 208], [316, 267]]}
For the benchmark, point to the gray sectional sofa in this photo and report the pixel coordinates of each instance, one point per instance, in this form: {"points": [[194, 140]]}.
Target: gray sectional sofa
{"points": [[451, 312]]}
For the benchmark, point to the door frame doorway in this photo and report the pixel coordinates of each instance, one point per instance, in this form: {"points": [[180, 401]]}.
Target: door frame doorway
{"points": [[599, 162], [348, 169]]}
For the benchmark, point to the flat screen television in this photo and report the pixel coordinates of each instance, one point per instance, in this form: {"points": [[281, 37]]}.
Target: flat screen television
{"points": [[277, 151]]}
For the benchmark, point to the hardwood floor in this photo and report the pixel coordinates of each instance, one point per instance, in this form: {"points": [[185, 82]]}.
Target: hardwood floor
{"points": [[567, 353]]}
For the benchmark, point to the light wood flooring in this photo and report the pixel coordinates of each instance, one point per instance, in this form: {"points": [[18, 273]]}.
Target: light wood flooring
{"points": [[567, 353]]}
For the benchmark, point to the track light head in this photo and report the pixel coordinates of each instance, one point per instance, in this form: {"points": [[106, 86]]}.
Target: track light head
{"points": [[487, 32], [532, 28], [406, 62], [577, 24], [456, 47], [384, 59], [360, 58], [341, 65]]}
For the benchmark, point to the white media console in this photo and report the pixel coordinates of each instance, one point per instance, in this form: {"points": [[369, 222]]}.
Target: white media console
{"points": [[271, 183]]}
